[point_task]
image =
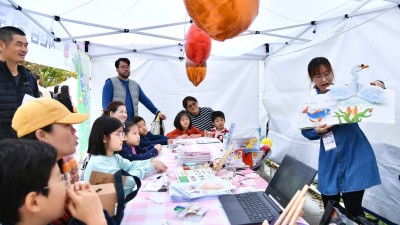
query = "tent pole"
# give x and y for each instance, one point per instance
(130, 49)
(66, 30)
(160, 26)
(91, 35)
(288, 37)
(287, 43)
(17, 7)
(137, 52)
(250, 32)
(158, 36)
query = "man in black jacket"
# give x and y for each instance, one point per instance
(15, 80)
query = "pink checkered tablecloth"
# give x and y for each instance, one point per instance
(157, 208)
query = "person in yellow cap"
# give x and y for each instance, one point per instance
(48, 120)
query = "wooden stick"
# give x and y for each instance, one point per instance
(298, 210)
(292, 208)
(286, 210)
(224, 158)
(296, 203)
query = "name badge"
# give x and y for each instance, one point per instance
(329, 141)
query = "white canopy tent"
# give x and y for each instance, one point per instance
(260, 74)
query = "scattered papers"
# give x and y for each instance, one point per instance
(193, 141)
(199, 157)
(27, 98)
(199, 189)
(194, 175)
(153, 186)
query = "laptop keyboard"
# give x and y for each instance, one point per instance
(256, 209)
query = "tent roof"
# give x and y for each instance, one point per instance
(157, 28)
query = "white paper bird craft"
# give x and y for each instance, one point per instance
(369, 93)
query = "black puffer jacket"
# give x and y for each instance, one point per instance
(11, 94)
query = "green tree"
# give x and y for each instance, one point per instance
(50, 76)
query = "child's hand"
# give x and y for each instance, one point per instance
(85, 205)
(158, 147)
(322, 129)
(183, 136)
(170, 141)
(78, 186)
(158, 165)
(209, 134)
(195, 136)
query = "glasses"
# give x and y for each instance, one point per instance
(326, 76)
(120, 134)
(65, 179)
(192, 105)
(124, 67)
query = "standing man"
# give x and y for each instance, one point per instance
(121, 88)
(15, 80)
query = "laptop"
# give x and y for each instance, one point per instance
(291, 176)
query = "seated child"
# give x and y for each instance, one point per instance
(184, 127)
(146, 137)
(218, 120)
(105, 139)
(131, 149)
(39, 193)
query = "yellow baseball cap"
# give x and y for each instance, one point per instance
(40, 112)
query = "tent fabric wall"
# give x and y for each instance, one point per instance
(369, 39)
(230, 87)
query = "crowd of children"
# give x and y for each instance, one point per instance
(113, 144)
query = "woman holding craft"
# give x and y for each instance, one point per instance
(347, 164)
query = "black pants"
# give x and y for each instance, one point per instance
(352, 201)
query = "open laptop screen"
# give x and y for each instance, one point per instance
(291, 176)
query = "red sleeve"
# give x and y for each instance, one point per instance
(196, 130)
(173, 134)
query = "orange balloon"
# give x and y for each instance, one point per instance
(197, 45)
(196, 73)
(222, 19)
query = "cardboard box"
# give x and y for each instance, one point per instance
(108, 196)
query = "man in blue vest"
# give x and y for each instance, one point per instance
(123, 89)
(15, 80)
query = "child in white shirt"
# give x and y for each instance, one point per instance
(219, 130)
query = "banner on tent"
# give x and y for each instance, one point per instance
(82, 68)
(45, 50)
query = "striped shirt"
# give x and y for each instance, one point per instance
(203, 119)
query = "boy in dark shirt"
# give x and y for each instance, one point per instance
(146, 137)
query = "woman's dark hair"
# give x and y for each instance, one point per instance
(185, 101)
(56, 89)
(102, 126)
(137, 119)
(217, 114)
(315, 63)
(112, 107)
(25, 166)
(64, 92)
(32, 135)
(177, 120)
